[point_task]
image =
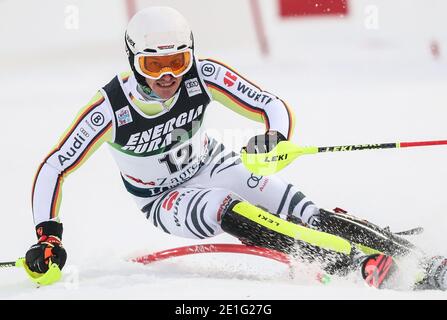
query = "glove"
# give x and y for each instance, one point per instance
(48, 247)
(264, 143)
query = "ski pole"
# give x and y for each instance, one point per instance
(286, 151)
(9, 264)
(392, 145)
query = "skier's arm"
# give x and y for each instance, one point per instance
(244, 97)
(91, 127)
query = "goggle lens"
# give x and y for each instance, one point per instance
(155, 66)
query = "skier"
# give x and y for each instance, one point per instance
(186, 183)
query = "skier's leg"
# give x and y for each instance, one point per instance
(189, 212)
(201, 213)
(255, 226)
(279, 198)
(286, 201)
(198, 213)
(273, 195)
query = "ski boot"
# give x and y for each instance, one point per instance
(377, 269)
(435, 274)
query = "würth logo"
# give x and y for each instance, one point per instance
(229, 79)
(253, 94)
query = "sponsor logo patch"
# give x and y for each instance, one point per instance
(253, 94)
(123, 116)
(193, 87)
(166, 47)
(97, 119)
(280, 157)
(130, 41)
(229, 79)
(253, 181)
(208, 69)
(68, 153)
(223, 207)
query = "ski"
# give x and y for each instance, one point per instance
(411, 232)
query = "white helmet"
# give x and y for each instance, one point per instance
(157, 31)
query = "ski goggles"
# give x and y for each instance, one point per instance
(154, 65)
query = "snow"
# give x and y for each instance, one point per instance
(355, 92)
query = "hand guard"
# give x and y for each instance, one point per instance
(48, 247)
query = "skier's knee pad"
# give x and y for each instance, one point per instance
(255, 226)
